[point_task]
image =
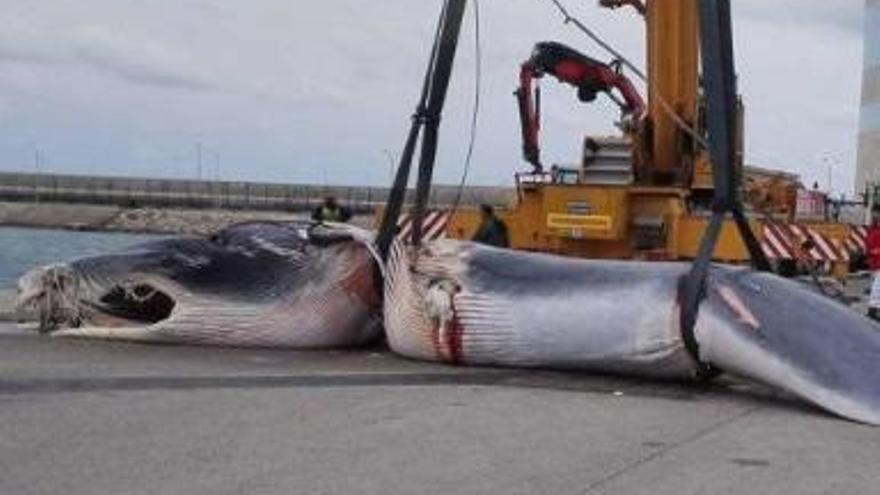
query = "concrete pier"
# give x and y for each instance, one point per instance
(81, 417)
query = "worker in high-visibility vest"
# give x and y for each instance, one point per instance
(872, 252)
(331, 211)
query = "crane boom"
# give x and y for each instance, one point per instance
(588, 75)
(673, 75)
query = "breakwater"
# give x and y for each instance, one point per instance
(130, 193)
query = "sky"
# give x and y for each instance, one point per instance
(321, 92)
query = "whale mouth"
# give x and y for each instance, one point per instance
(63, 298)
(141, 304)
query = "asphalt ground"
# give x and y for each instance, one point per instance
(86, 417)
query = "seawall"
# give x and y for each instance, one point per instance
(169, 193)
(140, 220)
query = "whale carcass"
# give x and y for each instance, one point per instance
(301, 286)
(282, 285)
(462, 303)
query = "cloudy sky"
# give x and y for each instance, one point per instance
(321, 91)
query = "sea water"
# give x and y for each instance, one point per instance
(22, 249)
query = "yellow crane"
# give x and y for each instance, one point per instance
(640, 195)
(644, 194)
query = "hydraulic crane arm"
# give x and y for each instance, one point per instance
(588, 75)
(636, 4)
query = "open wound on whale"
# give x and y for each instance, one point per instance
(440, 308)
(68, 296)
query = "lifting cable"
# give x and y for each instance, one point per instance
(667, 108)
(719, 80)
(397, 194)
(475, 114)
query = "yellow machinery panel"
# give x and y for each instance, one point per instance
(653, 222)
(579, 225)
(464, 223)
(623, 222)
(576, 220)
(837, 232)
(730, 247)
(584, 212)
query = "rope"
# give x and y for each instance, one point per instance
(667, 108)
(478, 81)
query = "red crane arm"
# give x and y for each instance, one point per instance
(588, 75)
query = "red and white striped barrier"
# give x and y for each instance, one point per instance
(792, 241)
(433, 225)
(856, 242)
(781, 241)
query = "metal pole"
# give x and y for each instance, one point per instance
(37, 175)
(199, 160)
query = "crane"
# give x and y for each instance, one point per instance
(648, 216)
(665, 146)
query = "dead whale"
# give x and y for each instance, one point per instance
(281, 285)
(462, 303)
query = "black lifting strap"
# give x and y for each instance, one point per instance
(427, 119)
(449, 35)
(719, 85)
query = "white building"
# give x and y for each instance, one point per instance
(868, 170)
